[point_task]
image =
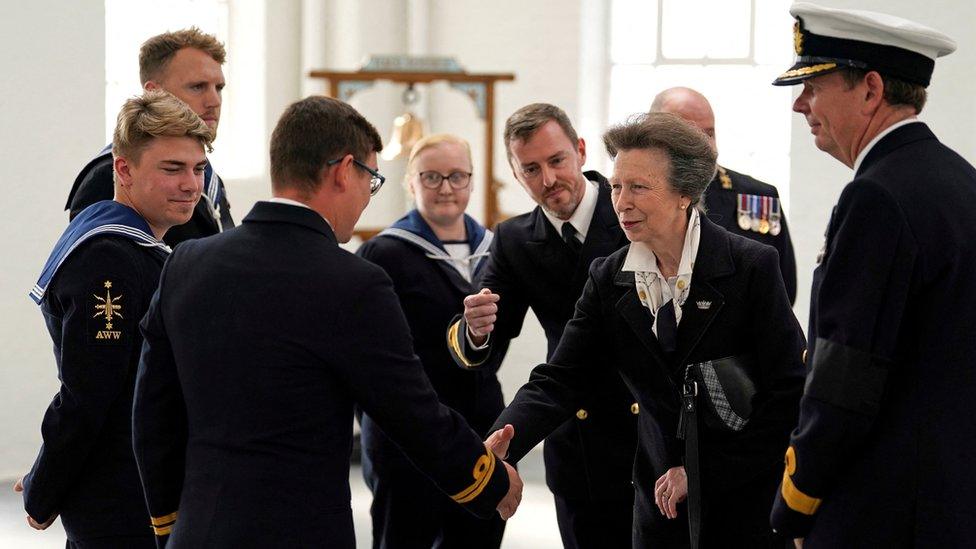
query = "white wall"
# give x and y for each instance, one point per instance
(52, 98)
(816, 179)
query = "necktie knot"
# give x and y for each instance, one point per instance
(569, 237)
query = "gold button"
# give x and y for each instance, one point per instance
(582, 414)
(681, 284)
(804, 356)
(634, 409)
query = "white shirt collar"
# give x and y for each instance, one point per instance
(282, 200)
(581, 218)
(864, 152)
(290, 202)
(640, 257)
(652, 288)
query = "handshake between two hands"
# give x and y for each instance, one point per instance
(498, 443)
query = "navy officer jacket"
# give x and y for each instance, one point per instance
(258, 344)
(886, 442)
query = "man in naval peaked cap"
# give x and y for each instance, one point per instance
(886, 437)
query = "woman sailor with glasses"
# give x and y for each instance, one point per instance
(433, 254)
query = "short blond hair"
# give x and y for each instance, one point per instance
(432, 141)
(154, 114)
(156, 53)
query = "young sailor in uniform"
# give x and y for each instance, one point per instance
(433, 254)
(93, 291)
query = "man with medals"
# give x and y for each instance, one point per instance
(884, 449)
(735, 201)
(186, 63)
(93, 290)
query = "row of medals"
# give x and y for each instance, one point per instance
(760, 217)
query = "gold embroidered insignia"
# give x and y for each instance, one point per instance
(797, 39)
(723, 176)
(109, 308)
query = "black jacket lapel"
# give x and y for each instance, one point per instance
(548, 251)
(714, 260)
(640, 320)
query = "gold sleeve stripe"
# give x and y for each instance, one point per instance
(454, 343)
(794, 498)
(483, 469)
(165, 519)
(163, 531)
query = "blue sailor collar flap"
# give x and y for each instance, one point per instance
(104, 217)
(412, 228)
(212, 188)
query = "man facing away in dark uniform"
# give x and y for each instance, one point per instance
(886, 442)
(186, 63)
(541, 260)
(93, 290)
(243, 437)
(735, 201)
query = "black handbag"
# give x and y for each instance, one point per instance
(722, 390)
(726, 390)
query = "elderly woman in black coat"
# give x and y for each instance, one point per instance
(698, 324)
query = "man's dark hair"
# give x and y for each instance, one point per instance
(896, 91)
(525, 121)
(312, 132)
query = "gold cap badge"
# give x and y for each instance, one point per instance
(797, 39)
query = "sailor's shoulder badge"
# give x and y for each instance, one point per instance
(108, 322)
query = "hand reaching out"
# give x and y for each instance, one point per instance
(498, 441)
(508, 504)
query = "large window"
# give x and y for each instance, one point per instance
(729, 50)
(128, 23)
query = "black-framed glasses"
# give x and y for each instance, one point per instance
(375, 182)
(434, 180)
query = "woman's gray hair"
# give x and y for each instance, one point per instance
(687, 148)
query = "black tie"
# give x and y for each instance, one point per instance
(667, 327)
(569, 237)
